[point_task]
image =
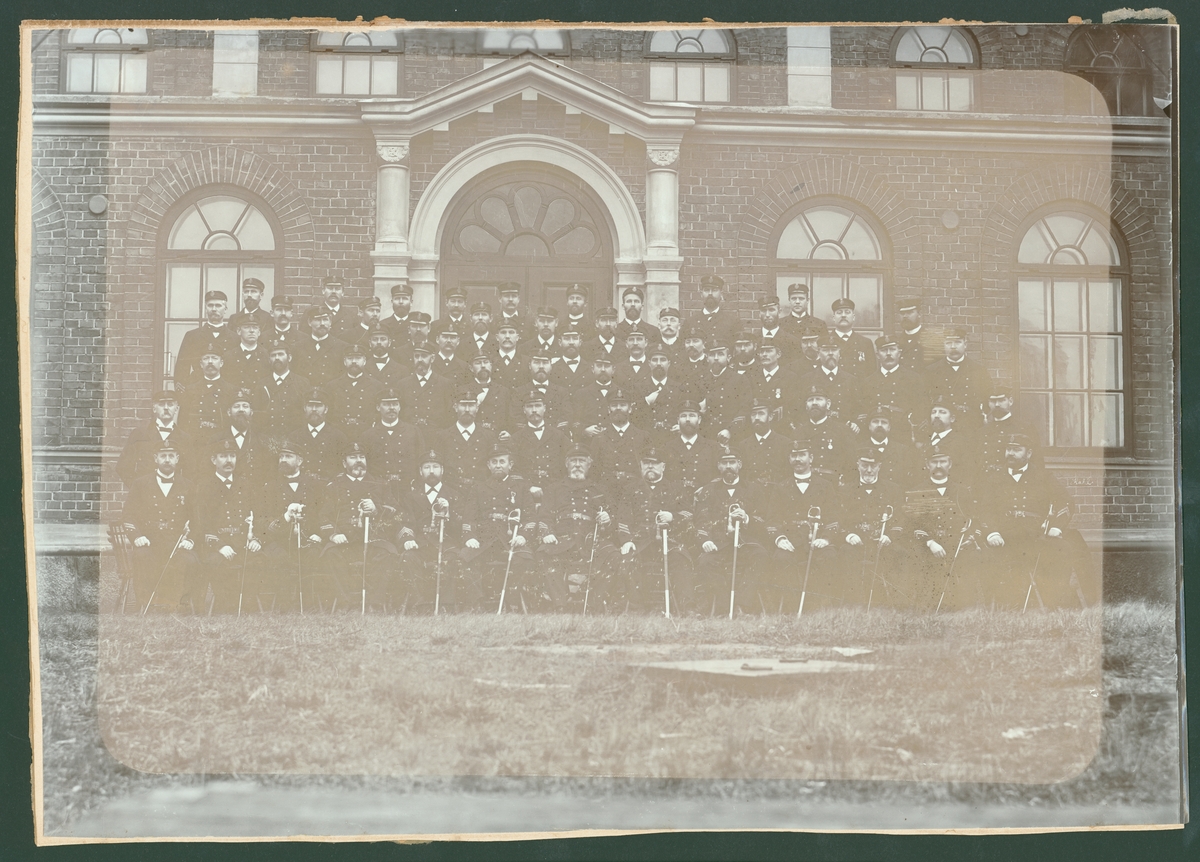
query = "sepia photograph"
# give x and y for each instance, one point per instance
(493, 431)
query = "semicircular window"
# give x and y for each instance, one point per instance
(1070, 286)
(525, 220)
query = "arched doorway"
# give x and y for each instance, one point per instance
(532, 224)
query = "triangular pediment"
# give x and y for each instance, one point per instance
(530, 76)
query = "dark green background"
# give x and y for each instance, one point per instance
(16, 818)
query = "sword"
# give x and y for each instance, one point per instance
(245, 559)
(887, 515)
(591, 561)
(666, 575)
(737, 527)
(366, 519)
(814, 518)
(514, 518)
(1033, 587)
(946, 584)
(440, 514)
(178, 542)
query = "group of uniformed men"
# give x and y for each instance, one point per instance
(579, 461)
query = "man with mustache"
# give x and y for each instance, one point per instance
(942, 513)
(576, 510)
(718, 505)
(163, 428)
(355, 393)
(213, 333)
(156, 512)
(319, 356)
(712, 322)
(632, 301)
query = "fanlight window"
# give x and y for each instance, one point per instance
(837, 254)
(1113, 61)
(357, 63)
(690, 65)
(215, 244)
(1072, 352)
(541, 41)
(524, 220)
(928, 57)
(108, 60)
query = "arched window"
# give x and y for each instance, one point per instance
(107, 60)
(215, 240)
(356, 63)
(932, 64)
(1071, 282)
(536, 39)
(691, 65)
(1113, 61)
(836, 251)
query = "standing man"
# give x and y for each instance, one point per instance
(456, 313)
(777, 385)
(368, 318)
(342, 319)
(591, 402)
(570, 371)
(832, 441)
(577, 316)
(726, 396)
(396, 323)
(892, 384)
(961, 381)
(203, 403)
(946, 435)
(920, 346)
(247, 363)
(252, 449)
(354, 394)
(771, 331)
(538, 447)
(619, 442)
(139, 456)
(446, 362)
(426, 398)
(799, 319)
(509, 363)
(282, 395)
(998, 425)
(392, 445)
(764, 450)
(605, 343)
(381, 365)
(318, 441)
(211, 334)
(282, 329)
(157, 512)
(544, 340)
(839, 383)
(252, 294)
(632, 371)
(690, 457)
(897, 457)
(714, 323)
(509, 294)
(745, 353)
(632, 300)
(671, 330)
(319, 356)
(858, 353)
(661, 394)
(718, 505)
(483, 339)
(496, 409)
(468, 442)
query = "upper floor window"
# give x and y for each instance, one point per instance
(108, 60)
(1111, 59)
(836, 251)
(1071, 282)
(691, 65)
(357, 63)
(931, 64)
(536, 39)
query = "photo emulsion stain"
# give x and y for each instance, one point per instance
(509, 430)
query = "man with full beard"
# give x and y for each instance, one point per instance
(577, 512)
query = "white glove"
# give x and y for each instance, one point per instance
(410, 545)
(519, 542)
(550, 539)
(141, 542)
(186, 544)
(338, 539)
(784, 544)
(1054, 532)
(227, 552)
(708, 547)
(995, 540)
(938, 550)
(820, 543)
(628, 548)
(473, 544)
(853, 539)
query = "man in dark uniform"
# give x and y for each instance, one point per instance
(726, 395)
(381, 365)
(832, 441)
(577, 316)
(634, 368)
(886, 433)
(213, 333)
(1025, 519)
(841, 384)
(764, 450)
(468, 443)
(544, 340)
(239, 428)
(227, 544)
(858, 353)
(538, 447)
(426, 398)
(418, 335)
(770, 382)
(803, 514)
(360, 524)
(632, 300)
(319, 356)
(712, 322)
(282, 395)
(871, 517)
(893, 384)
(718, 505)
(392, 445)
(661, 394)
(456, 313)
(204, 402)
(961, 381)
(482, 338)
(496, 409)
(605, 343)
(435, 512)
(342, 318)
(619, 442)
(369, 310)
(446, 361)
(247, 363)
(157, 513)
(139, 456)
(509, 295)
(318, 441)
(291, 541)
(948, 436)
(396, 324)
(591, 401)
(745, 353)
(502, 516)
(645, 508)
(919, 344)
(998, 425)
(671, 331)
(354, 394)
(580, 526)
(771, 331)
(282, 330)
(941, 512)
(558, 406)
(252, 293)
(510, 364)
(570, 372)
(691, 458)
(799, 319)
(812, 333)
(695, 359)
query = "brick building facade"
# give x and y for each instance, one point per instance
(951, 153)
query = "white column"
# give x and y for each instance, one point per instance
(662, 228)
(391, 254)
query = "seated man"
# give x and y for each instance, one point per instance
(872, 518)
(157, 512)
(580, 526)
(728, 509)
(435, 512)
(291, 543)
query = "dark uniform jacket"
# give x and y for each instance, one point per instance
(626, 326)
(1022, 508)
(219, 514)
(965, 388)
(523, 324)
(280, 405)
(726, 398)
(461, 325)
(453, 369)
(491, 502)
(392, 453)
(137, 458)
(397, 330)
(289, 337)
(277, 495)
(962, 447)
(832, 445)
(711, 512)
(594, 346)
(939, 512)
(191, 349)
(902, 389)
(664, 412)
(781, 389)
(788, 514)
(590, 404)
(418, 514)
(392, 372)
(862, 508)
(319, 361)
(796, 324)
(429, 405)
(202, 406)
(246, 369)
(322, 454)
(569, 511)
(254, 457)
(618, 455)
(994, 438)
(764, 459)
(515, 371)
(540, 461)
(157, 516)
(720, 326)
(466, 458)
(857, 354)
(919, 348)
(691, 467)
(562, 376)
(496, 409)
(844, 388)
(353, 401)
(630, 375)
(899, 461)
(339, 511)
(639, 503)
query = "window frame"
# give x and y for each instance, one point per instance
(564, 51)
(783, 268)
(725, 59)
(316, 52)
(165, 257)
(1087, 72)
(921, 69)
(1120, 274)
(69, 50)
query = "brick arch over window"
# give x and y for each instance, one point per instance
(819, 177)
(1098, 188)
